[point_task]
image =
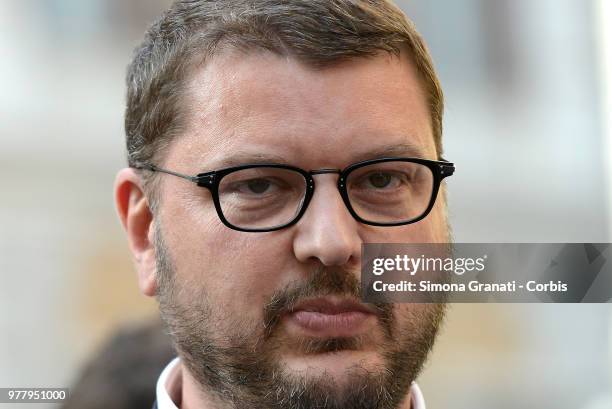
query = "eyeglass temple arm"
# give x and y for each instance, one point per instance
(446, 168)
(154, 168)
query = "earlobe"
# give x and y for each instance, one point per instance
(137, 220)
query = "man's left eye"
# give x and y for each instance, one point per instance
(258, 185)
(380, 180)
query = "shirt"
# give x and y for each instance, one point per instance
(170, 380)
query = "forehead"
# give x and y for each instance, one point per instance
(261, 104)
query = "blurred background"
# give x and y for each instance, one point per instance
(528, 123)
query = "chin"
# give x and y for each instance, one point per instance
(337, 364)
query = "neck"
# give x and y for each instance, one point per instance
(192, 395)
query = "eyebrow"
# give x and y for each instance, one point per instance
(399, 150)
(403, 150)
(242, 158)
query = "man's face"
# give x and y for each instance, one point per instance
(253, 311)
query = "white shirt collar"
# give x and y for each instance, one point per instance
(170, 379)
(170, 373)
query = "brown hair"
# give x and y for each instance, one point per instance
(316, 32)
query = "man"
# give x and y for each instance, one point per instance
(267, 141)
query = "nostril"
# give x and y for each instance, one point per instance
(328, 238)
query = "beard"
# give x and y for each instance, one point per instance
(242, 369)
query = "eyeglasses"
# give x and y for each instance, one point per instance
(268, 197)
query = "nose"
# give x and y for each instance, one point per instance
(327, 232)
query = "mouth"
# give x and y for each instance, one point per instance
(331, 317)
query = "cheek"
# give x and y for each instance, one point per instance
(238, 271)
(432, 229)
(440, 229)
(417, 319)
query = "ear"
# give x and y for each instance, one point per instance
(137, 220)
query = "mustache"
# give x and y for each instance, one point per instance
(322, 282)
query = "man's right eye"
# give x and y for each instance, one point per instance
(255, 186)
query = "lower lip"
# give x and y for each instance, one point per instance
(343, 324)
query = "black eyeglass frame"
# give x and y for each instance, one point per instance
(210, 180)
